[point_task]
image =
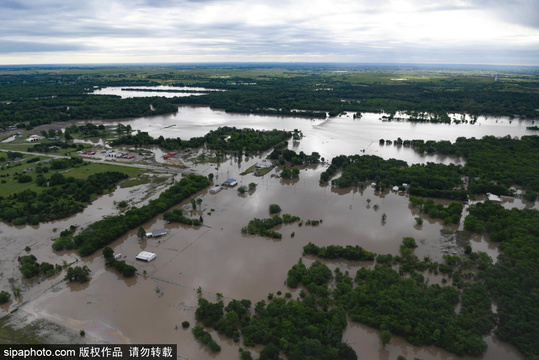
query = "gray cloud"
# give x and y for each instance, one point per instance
(12, 5)
(523, 12)
(174, 28)
(7, 46)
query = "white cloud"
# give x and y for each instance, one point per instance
(240, 30)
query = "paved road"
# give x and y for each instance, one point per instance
(159, 168)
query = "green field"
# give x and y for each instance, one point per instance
(11, 185)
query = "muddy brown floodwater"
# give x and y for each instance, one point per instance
(219, 259)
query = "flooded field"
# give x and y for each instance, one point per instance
(164, 91)
(219, 259)
(330, 137)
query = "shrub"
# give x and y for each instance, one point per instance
(409, 242)
(19, 221)
(274, 209)
(4, 297)
(24, 178)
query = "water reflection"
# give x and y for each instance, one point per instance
(329, 137)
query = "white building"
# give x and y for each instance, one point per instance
(146, 256)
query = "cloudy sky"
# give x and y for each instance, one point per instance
(172, 31)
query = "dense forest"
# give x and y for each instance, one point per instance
(493, 165)
(504, 160)
(513, 281)
(319, 92)
(34, 112)
(30, 99)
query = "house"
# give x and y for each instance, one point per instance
(146, 256)
(494, 198)
(230, 182)
(156, 233)
(395, 188)
(34, 138)
(215, 189)
(260, 166)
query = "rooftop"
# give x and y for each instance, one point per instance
(146, 256)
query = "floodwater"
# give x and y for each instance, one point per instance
(125, 92)
(330, 137)
(219, 259)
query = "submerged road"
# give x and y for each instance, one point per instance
(160, 168)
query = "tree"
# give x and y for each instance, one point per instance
(384, 217)
(108, 252)
(385, 337)
(24, 178)
(67, 135)
(409, 242)
(274, 209)
(141, 233)
(4, 297)
(77, 274)
(530, 195)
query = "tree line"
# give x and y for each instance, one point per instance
(31, 112)
(513, 281)
(31, 100)
(493, 164)
(431, 179)
(63, 197)
(322, 93)
(224, 138)
(107, 230)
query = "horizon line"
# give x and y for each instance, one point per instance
(259, 63)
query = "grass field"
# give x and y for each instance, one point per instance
(249, 170)
(10, 185)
